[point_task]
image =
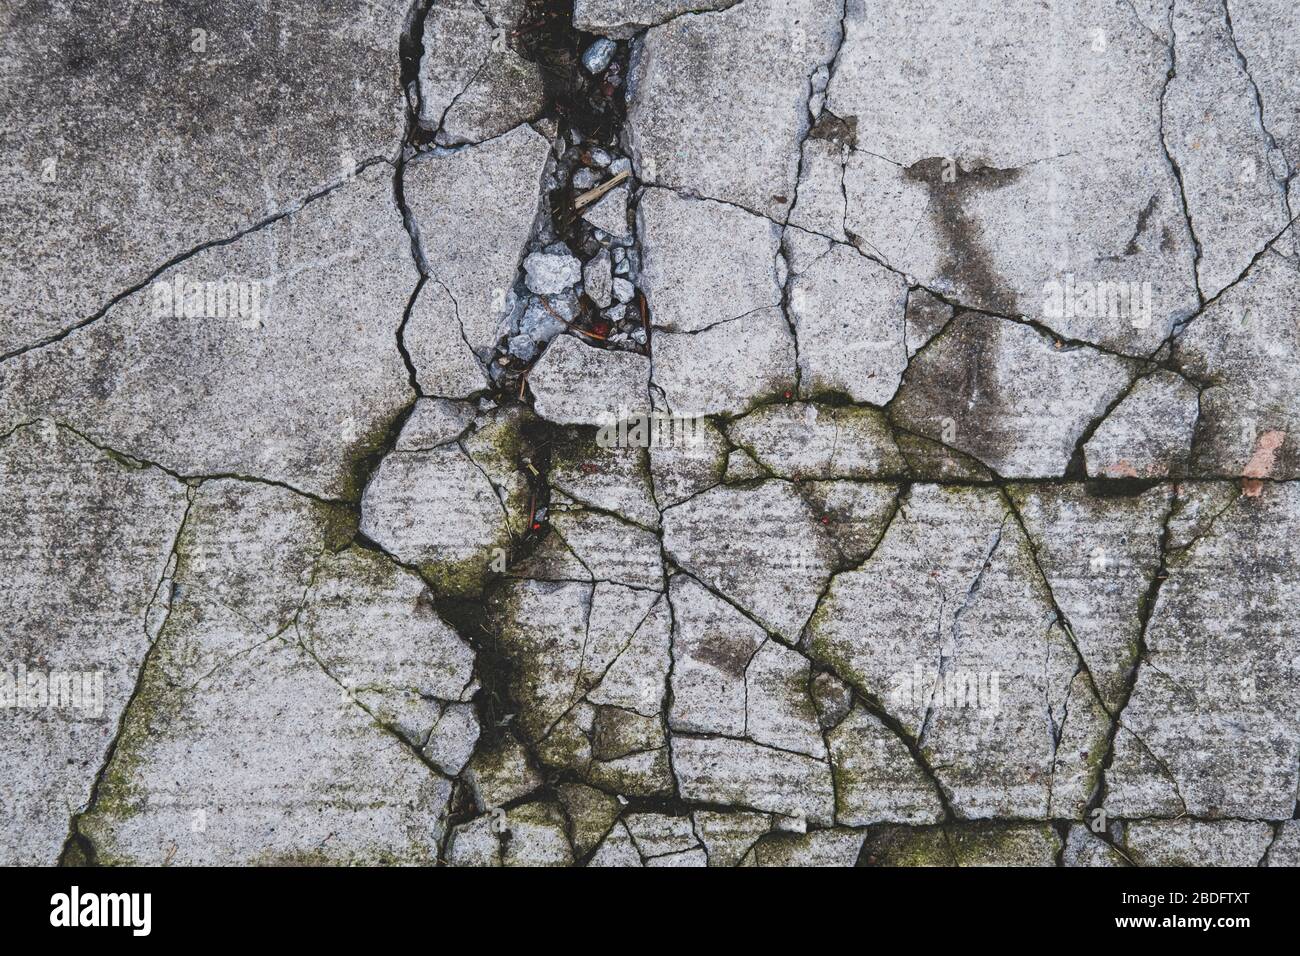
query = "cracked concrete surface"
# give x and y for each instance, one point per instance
(610, 433)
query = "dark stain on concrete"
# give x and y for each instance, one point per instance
(966, 261)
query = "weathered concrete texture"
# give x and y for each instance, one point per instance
(445, 365)
(1008, 395)
(810, 441)
(743, 774)
(744, 148)
(1285, 850)
(704, 262)
(876, 779)
(961, 845)
(848, 315)
(86, 548)
(589, 665)
(854, 514)
(727, 837)
(434, 422)
(298, 387)
(1085, 848)
(578, 384)
(1149, 433)
(493, 186)
(529, 835)
(610, 549)
(1214, 133)
(1243, 346)
(1219, 670)
(607, 478)
(950, 628)
(1263, 32)
(473, 83)
(682, 469)
(452, 508)
(650, 433)
(1197, 843)
(624, 18)
(373, 628)
(141, 133)
(1099, 554)
(730, 679)
(761, 548)
(821, 848)
(244, 743)
(609, 214)
(725, 369)
(1018, 189)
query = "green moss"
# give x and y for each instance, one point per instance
(634, 779)
(155, 705)
(458, 579)
(992, 844)
(364, 454)
(338, 526)
(907, 846)
(566, 747)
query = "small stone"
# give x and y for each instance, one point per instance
(550, 273)
(596, 280)
(522, 348)
(598, 55)
(547, 317)
(624, 291)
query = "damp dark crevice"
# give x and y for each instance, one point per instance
(411, 371)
